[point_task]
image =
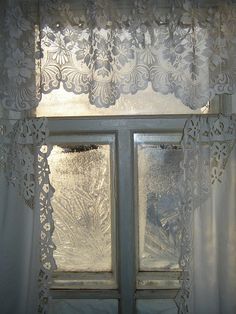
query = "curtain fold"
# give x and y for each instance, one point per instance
(214, 246)
(15, 246)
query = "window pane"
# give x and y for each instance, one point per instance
(158, 173)
(156, 307)
(80, 175)
(84, 306)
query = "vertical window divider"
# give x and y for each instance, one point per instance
(126, 249)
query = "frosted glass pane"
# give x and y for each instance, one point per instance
(158, 199)
(83, 307)
(82, 207)
(62, 103)
(156, 307)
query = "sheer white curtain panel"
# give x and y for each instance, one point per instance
(208, 216)
(26, 261)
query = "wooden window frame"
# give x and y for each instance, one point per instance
(123, 128)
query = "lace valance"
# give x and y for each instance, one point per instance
(105, 48)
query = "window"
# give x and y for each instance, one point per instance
(115, 178)
(127, 255)
(115, 212)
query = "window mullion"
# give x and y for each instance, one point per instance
(126, 247)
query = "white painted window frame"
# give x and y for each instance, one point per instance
(123, 128)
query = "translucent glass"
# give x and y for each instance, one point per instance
(82, 207)
(156, 307)
(83, 306)
(158, 174)
(62, 103)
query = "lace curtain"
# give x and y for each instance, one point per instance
(104, 48)
(23, 165)
(208, 216)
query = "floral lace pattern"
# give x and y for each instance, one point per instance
(104, 49)
(47, 262)
(207, 143)
(19, 90)
(24, 161)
